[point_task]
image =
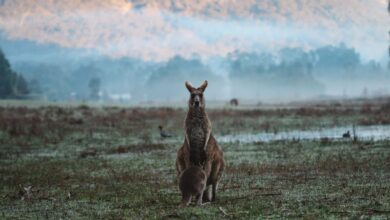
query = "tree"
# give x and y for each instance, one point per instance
(94, 87)
(341, 57)
(21, 86)
(249, 64)
(5, 77)
(388, 10)
(11, 84)
(167, 82)
(388, 6)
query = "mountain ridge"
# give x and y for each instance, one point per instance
(161, 29)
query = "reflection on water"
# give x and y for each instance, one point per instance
(376, 132)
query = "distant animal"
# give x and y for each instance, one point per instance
(234, 102)
(192, 183)
(164, 134)
(89, 152)
(346, 135)
(200, 147)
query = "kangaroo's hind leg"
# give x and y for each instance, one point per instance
(214, 196)
(207, 194)
(215, 178)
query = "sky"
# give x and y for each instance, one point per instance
(161, 29)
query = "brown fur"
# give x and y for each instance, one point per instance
(192, 183)
(200, 147)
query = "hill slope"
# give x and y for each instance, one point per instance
(161, 29)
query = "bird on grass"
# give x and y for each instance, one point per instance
(163, 133)
(346, 135)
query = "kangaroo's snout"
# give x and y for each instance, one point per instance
(197, 101)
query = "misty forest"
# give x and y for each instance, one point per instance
(291, 73)
(178, 109)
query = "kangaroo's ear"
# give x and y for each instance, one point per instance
(189, 86)
(203, 86)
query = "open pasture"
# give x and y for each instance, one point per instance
(111, 163)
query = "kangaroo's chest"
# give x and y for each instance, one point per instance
(197, 137)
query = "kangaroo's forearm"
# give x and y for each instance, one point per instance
(207, 168)
(188, 140)
(207, 139)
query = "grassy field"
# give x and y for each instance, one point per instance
(110, 163)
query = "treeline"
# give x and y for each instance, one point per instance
(290, 73)
(12, 85)
(294, 73)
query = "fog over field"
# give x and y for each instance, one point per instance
(143, 51)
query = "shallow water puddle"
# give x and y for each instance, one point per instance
(375, 132)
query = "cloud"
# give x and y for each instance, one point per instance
(161, 29)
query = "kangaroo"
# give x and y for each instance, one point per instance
(192, 183)
(234, 102)
(200, 147)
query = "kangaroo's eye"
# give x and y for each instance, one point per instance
(192, 95)
(200, 95)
